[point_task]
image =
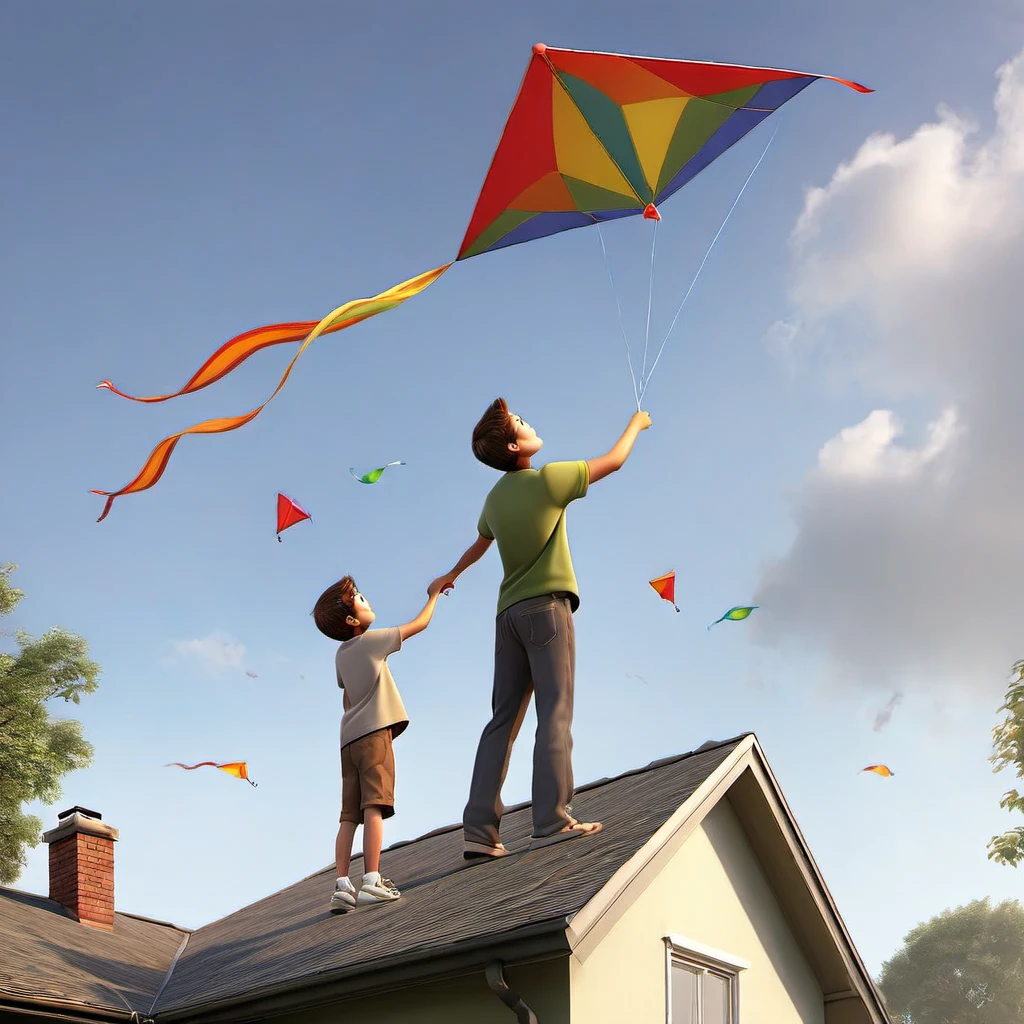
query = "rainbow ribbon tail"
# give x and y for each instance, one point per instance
(347, 315)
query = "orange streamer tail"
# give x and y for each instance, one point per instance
(338, 319)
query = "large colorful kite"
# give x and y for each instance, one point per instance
(591, 137)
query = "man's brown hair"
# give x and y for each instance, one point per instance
(492, 436)
(333, 606)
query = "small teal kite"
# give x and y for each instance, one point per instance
(374, 475)
(733, 615)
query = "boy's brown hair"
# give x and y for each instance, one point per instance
(333, 606)
(492, 436)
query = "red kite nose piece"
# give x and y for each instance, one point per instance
(651, 213)
(539, 48)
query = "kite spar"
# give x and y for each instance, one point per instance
(591, 137)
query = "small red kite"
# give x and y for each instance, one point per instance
(239, 769)
(666, 587)
(288, 514)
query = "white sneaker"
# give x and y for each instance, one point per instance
(377, 889)
(344, 898)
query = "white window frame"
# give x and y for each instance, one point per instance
(691, 954)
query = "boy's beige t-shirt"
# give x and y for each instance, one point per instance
(525, 513)
(371, 698)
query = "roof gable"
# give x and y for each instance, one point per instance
(745, 780)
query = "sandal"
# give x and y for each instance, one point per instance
(482, 851)
(573, 831)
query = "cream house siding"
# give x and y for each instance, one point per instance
(713, 891)
(465, 1000)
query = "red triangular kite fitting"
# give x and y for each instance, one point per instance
(288, 514)
(591, 137)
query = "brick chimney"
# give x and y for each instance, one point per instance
(82, 866)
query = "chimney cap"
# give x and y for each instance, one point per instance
(79, 821)
(80, 810)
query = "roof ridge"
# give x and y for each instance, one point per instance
(156, 920)
(169, 972)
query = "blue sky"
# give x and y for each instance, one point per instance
(178, 173)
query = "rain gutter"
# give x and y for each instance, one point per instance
(543, 940)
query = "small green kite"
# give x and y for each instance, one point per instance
(733, 615)
(374, 475)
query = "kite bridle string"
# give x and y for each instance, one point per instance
(735, 202)
(650, 301)
(618, 306)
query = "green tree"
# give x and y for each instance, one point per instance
(1008, 746)
(36, 751)
(962, 967)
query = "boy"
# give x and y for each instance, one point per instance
(374, 716)
(534, 637)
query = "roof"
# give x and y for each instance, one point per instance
(291, 939)
(47, 957)
(287, 952)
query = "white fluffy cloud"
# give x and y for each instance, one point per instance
(907, 564)
(215, 652)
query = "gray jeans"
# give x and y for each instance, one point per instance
(534, 653)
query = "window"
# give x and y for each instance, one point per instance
(702, 983)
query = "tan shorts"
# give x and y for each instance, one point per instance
(368, 776)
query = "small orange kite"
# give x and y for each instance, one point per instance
(879, 769)
(666, 587)
(239, 769)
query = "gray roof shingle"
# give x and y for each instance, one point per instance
(46, 955)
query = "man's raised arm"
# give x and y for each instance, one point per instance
(614, 459)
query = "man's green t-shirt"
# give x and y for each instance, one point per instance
(525, 514)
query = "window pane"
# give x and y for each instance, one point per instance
(716, 1000)
(684, 995)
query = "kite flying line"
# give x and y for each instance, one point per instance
(618, 306)
(739, 195)
(650, 300)
(645, 376)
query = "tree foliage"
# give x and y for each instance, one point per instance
(962, 967)
(1008, 747)
(36, 751)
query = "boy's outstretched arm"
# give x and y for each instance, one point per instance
(422, 620)
(469, 556)
(614, 459)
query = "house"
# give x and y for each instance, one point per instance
(699, 903)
